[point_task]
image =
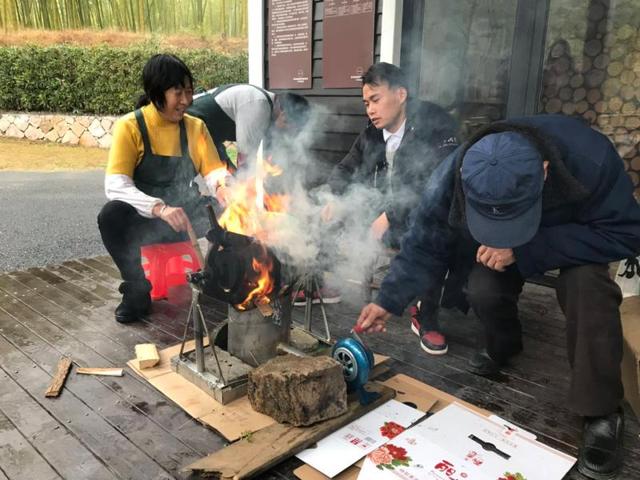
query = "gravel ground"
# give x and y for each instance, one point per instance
(49, 217)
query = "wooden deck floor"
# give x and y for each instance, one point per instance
(121, 427)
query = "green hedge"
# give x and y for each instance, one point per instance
(101, 80)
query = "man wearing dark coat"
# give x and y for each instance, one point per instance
(396, 153)
(524, 197)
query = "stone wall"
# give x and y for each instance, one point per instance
(85, 130)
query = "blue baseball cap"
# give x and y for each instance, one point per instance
(502, 179)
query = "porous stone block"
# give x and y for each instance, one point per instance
(298, 390)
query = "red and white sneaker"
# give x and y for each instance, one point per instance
(329, 295)
(415, 324)
(431, 341)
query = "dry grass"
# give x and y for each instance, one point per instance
(121, 39)
(25, 155)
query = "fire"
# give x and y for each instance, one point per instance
(264, 283)
(248, 212)
(242, 215)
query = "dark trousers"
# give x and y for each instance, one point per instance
(590, 301)
(124, 231)
(429, 308)
(428, 301)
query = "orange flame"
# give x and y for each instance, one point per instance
(264, 283)
(271, 169)
(243, 216)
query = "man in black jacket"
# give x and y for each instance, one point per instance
(396, 153)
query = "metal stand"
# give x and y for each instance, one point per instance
(309, 284)
(199, 326)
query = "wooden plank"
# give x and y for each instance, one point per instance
(108, 443)
(101, 314)
(49, 437)
(101, 371)
(74, 291)
(103, 267)
(269, 446)
(109, 337)
(17, 454)
(64, 365)
(130, 396)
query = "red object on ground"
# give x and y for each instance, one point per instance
(166, 265)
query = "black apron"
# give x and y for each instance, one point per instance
(221, 127)
(167, 177)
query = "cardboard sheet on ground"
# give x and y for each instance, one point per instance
(426, 398)
(341, 449)
(457, 443)
(409, 391)
(232, 421)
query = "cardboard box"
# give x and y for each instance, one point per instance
(630, 315)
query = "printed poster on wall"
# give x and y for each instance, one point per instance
(348, 40)
(290, 43)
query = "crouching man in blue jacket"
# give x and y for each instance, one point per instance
(521, 198)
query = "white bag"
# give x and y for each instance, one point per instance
(628, 276)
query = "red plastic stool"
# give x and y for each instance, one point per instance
(166, 265)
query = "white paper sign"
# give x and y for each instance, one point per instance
(346, 446)
(458, 444)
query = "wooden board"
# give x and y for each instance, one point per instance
(64, 365)
(24, 412)
(114, 425)
(129, 405)
(101, 371)
(267, 447)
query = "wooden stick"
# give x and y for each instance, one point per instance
(64, 365)
(195, 245)
(109, 372)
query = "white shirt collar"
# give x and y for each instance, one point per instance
(398, 133)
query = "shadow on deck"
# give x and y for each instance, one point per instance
(121, 427)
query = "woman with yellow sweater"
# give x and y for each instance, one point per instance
(156, 153)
